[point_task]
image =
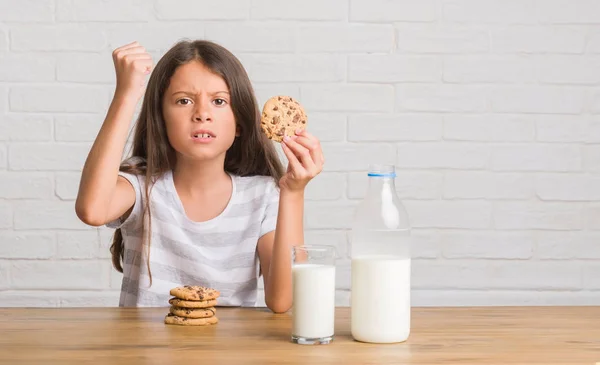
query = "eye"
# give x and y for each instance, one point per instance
(184, 101)
(220, 102)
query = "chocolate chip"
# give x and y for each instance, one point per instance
(275, 107)
(296, 118)
(275, 120)
(289, 112)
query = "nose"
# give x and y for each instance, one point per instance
(202, 112)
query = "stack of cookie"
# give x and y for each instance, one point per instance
(192, 306)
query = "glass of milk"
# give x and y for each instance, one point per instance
(313, 282)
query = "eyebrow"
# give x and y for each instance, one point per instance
(189, 92)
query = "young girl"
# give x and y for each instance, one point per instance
(203, 200)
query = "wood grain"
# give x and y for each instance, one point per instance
(484, 335)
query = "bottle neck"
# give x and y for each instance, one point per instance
(381, 186)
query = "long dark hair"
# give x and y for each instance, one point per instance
(251, 153)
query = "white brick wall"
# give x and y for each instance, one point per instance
(490, 109)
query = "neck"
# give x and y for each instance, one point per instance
(199, 177)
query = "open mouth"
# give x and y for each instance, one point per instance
(201, 135)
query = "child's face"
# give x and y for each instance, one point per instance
(199, 119)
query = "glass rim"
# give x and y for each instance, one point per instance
(312, 247)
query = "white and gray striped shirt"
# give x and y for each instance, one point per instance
(219, 253)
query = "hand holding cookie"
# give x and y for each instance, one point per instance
(305, 157)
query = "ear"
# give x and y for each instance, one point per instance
(237, 131)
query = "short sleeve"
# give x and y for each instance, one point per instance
(269, 220)
(136, 212)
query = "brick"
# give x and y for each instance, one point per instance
(326, 186)
(500, 128)
(58, 98)
(154, 37)
(312, 10)
(23, 68)
(551, 158)
(343, 274)
(569, 12)
(17, 245)
(86, 299)
(70, 68)
(335, 238)
(449, 214)
(346, 38)
(3, 40)
(582, 70)
(3, 98)
(592, 216)
(47, 157)
(591, 158)
(29, 299)
(79, 245)
(252, 37)
(202, 10)
(4, 277)
(567, 245)
(448, 155)
(329, 215)
(327, 127)
(409, 184)
(116, 279)
(537, 99)
(440, 98)
(425, 244)
(537, 39)
(591, 273)
(6, 215)
(347, 98)
(461, 298)
(265, 91)
(567, 128)
(593, 44)
(394, 68)
(487, 185)
(58, 275)
(400, 127)
(47, 215)
(342, 298)
(77, 128)
(56, 38)
(490, 11)
(3, 157)
(25, 185)
(411, 38)
(392, 11)
(104, 11)
(67, 185)
(487, 245)
(496, 275)
(295, 68)
(489, 69)
(356, 157)
(538, 215)
(27, 11)
(564, 187)
(23, 127)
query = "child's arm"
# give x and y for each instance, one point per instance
(104, 196)
(305, 162)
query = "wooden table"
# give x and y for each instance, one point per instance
(485, 335)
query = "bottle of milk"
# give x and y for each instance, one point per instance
(380, 253)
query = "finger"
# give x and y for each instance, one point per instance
(312, 146)
(132, 51)
(293, 160)
(302, 152)
(128, 45)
